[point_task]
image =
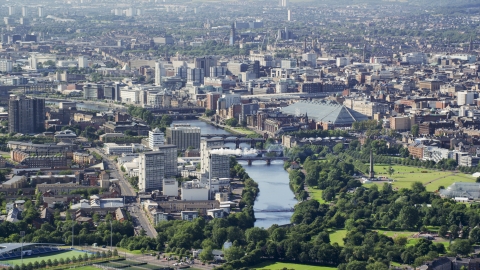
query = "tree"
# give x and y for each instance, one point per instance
(115, 252)
(390, 171)
(408, 217)
(206, 254)
(234, 253)
(414, 130)
(461, 246)
(475, 235)
(338, 148)
(256, 235)
(233, 122)
(443, 230)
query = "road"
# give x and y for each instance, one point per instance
(138, 216)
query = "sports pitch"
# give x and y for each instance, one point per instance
(51, 256)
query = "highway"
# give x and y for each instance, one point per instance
(138, 215)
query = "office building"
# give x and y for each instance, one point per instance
(212, 99)
(156, 138)
(25, 115)
(24, 21)
(289, 15)
(41, 12)
(155, 166)
(284, 3)
(232, 35)
(465, 98)
(11, 10)
(184, 136)
(196, 75)
(8, 21)
(205, 63)
(24, 11)
(213, 164)
(158, 73)
(82, 62)
(93, 91)
(6, 65)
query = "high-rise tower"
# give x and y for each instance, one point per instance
(232, 35)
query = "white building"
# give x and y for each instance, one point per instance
(41, 12)
(465, 98)
(130, 95)
(194, 191)
(281, 87)
(155, 166)
(116, 149)
(436, 153)
(343, 61)
(36, 58)
(156, 138)
(415, 58)
(289, 15)
(24, 11)
(6, 65)
(310, 58)
(170, 187)
(158, 73)
(82, 62)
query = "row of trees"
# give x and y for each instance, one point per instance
(56, 262)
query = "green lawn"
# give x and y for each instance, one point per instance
(242, 130)
(337, 237)
(45, 257)
(316, 194)
(404, 176)
(394, 234)
(297, 266)
(123, 250)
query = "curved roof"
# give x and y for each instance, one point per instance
(322, 111)
(8, 247)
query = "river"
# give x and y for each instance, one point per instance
(275, 193)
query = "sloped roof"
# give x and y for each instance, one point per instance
(324, 111)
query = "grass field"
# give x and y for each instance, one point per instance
(45, 257)
(404, 176)
(280, 265)
(394, 234)
(316, 194)
(337, 237)
(242, 130)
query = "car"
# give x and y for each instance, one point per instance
(104, 246)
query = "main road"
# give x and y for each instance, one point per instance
(135, 209)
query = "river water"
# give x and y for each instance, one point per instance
(275, 193)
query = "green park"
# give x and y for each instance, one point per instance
(281, 265)
(404, 176)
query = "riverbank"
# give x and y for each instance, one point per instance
(234, 130)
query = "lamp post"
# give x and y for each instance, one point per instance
(22, 234)
(111, 246)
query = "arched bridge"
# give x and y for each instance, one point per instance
(224, 136)
(238, 140)
(267, 159)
